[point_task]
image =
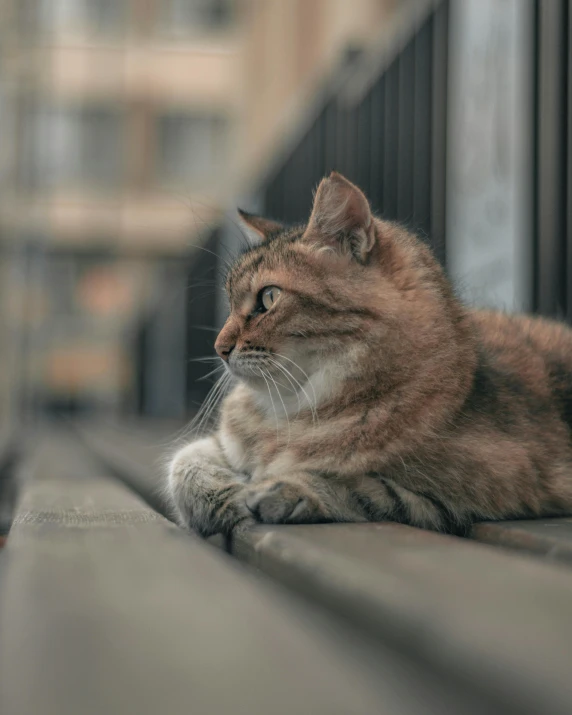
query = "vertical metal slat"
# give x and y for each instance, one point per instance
(407, 109)
(422, 131)
(439, 129)
(551, 217)
(376, 125)
(390, 159)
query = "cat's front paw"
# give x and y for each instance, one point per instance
(283, 502)
(206, 497)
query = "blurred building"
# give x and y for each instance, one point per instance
(118, 120)
(127, 126)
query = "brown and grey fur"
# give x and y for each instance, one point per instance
(368, 392)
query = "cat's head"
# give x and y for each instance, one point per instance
(339, 292)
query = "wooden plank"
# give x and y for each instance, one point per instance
(136, 453)
(133, 454)
(106, 607)
(487, 618)
(550, 538)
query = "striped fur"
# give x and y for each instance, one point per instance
(368, 392)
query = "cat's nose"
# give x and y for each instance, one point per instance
(223, 350)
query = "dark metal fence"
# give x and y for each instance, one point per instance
(389, 139)
(170, 344)
(553, 159)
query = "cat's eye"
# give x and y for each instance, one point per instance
(269, 296)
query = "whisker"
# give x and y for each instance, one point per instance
(203, 416)
(210, 358)
(208, 328)
(294, 384)
(303, 373)
(204, 411)
(226, 381)
(284, 406)
(271, 400)
(310, 405)
(212, 372)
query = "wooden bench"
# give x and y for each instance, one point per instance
(549, 538)
(106, 606)
(483, 617)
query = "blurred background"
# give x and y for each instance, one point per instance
(131, 129)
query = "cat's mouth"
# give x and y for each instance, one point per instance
(270, 372)
(252, 365)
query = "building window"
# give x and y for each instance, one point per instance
(184, 17)
(190, 148)
(72, 16)
(72, 147)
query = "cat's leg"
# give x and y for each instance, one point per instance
(307, 498)
(301, 498)
(206, 494)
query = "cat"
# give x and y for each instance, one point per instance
(365, 390)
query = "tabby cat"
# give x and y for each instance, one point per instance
(365, 391)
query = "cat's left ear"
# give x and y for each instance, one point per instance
(341, 218)
(259, 228)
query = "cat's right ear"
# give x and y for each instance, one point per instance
(259, 229)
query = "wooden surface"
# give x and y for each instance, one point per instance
(106, 607)
(133, 453)
(486, 617)
(548, 538)
(137, 454)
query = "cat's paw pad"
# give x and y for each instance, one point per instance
(279, 503)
